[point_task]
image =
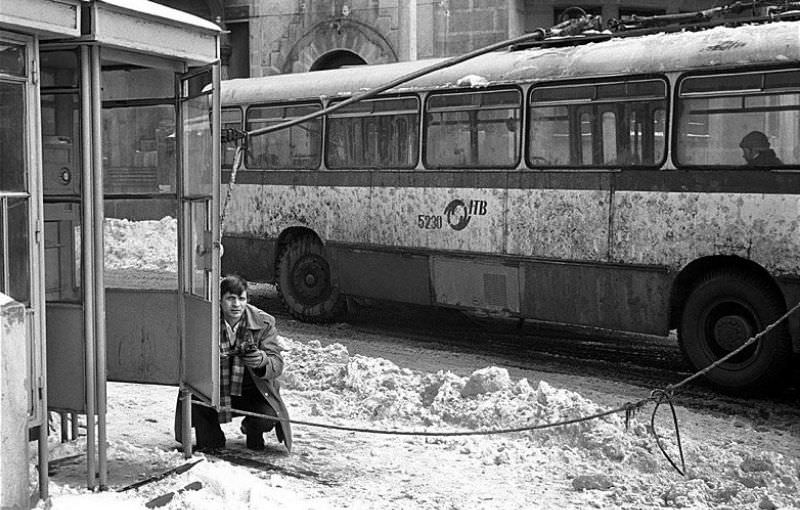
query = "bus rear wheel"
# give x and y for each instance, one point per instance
(723, 311)
(304, 282)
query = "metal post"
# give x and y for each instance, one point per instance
(99, 284)
(87, 195)
(64, 427)
(186, 422)
(74, 423)
(37, 197)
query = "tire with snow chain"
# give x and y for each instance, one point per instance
(722, 312)
(304, 282)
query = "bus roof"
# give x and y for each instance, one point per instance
(719, 47)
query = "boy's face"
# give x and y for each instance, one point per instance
(233, 306)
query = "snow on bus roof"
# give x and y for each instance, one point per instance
(164, 12)
(719, 47)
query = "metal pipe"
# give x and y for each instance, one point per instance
(186, 422)
(87, 195)
(183, 218)
(39, 301)
(99, 267)
(64, 427)
(74, 423)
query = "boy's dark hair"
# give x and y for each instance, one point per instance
(234, 284)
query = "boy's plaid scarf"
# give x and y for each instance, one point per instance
(231, 369)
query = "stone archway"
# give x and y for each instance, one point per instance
(338, 35)
(336, 59)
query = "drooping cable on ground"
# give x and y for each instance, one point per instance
(658, 396)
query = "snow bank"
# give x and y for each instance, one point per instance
(143, 245)
(597, 463)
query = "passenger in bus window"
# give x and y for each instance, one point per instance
(757, 152)
(250, 363)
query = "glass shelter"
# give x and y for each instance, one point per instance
(109, 208)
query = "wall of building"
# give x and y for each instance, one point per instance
(284, 36)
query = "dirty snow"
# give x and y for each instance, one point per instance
(598, 463)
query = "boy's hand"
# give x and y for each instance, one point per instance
(254, 359)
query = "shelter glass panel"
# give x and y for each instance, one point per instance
(12, 137)
(61, 143)
(141, 243)
(139, 149)
(60, 69)
(197, 135)
(296, 147)
(200, 249)
(12, 59)
(62, 252)
(16, 244)
(130, 83)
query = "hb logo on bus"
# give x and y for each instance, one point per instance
(458, 213)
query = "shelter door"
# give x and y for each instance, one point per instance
(199, 231)
(19, 247)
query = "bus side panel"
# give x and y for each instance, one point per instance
(249, 257)
(438, 218)
(672, 229)
(569, 224)
(791, 292)
(258, 214)
(595, 295)
(467, 283)
(394, 276)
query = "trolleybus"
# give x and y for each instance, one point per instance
(601, 184)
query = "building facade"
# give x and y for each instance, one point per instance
(265, 37)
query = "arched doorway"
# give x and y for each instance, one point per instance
(338, 42)
(336, 59)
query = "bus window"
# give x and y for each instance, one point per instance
(376, 133)
(231, 119)
(600, 125)
(473, 129)
(716, 113)
(297, 147)
(586, 142)
(609, 132)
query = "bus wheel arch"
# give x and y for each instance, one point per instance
(304, 277)
(717, 303)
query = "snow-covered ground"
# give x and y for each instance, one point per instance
(730, 462)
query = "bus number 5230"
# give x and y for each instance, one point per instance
(430, 222)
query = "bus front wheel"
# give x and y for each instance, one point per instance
(304, 282)
(722, 312)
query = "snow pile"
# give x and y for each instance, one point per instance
(603, 454)
(143, 245)
(376, 390)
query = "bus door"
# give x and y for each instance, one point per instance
(199, 231)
